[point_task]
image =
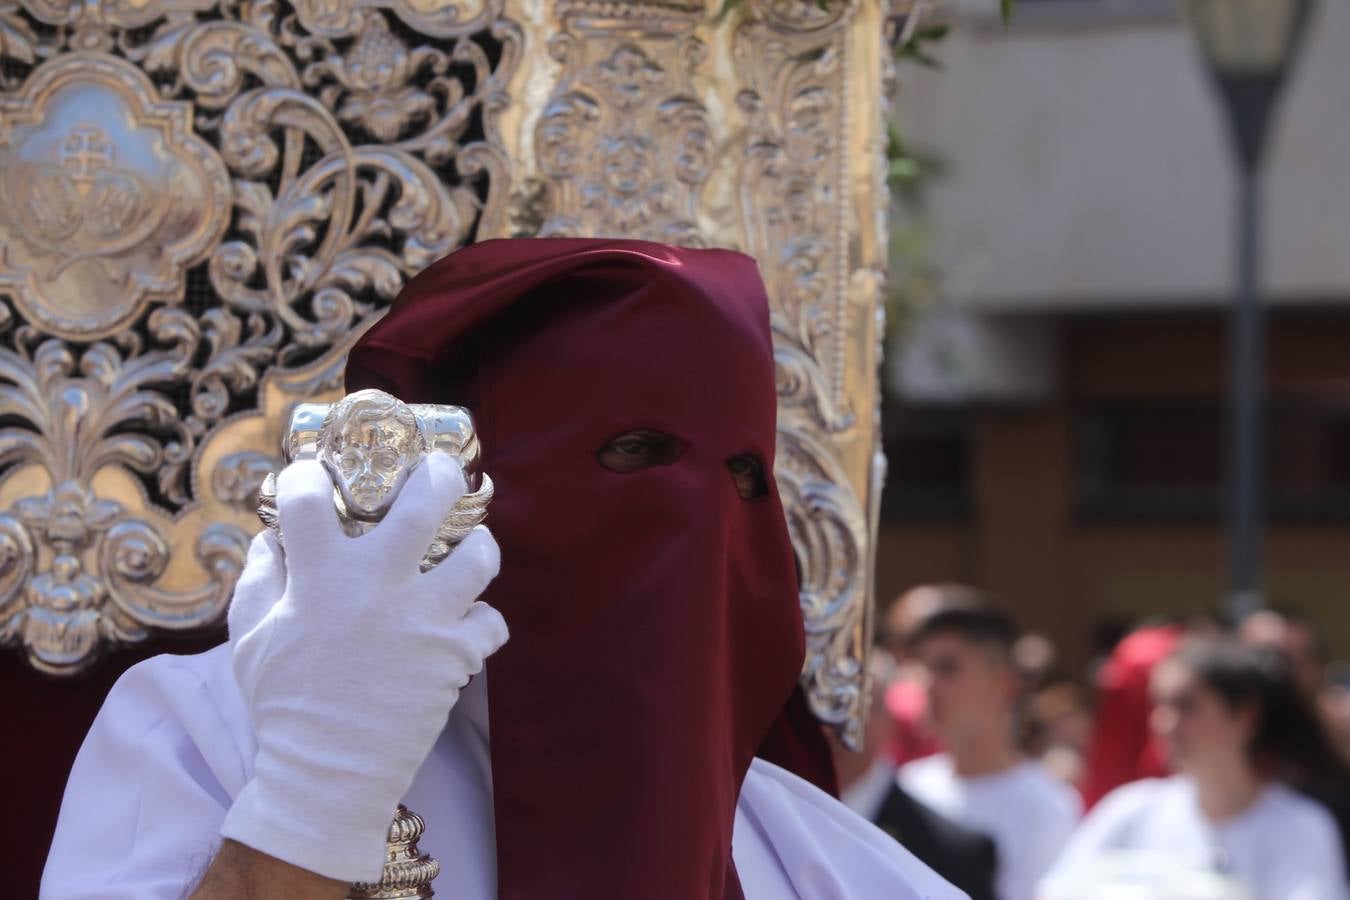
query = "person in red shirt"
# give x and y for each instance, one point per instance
(1122, 749)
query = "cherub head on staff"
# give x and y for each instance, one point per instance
(369, 443)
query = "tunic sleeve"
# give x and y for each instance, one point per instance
(151, 784)
(794, 840)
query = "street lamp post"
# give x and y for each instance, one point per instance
(1247, 46)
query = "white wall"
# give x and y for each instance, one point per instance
(1090, 163)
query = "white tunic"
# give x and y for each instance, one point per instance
(1026, 811)
(172, 747)
(1282, 847)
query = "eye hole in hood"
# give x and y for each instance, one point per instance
(747, 471)
(634, 451)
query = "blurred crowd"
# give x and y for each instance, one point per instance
(1190, 760)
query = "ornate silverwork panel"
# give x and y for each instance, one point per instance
(810, 181)
(202, 204)
(623, 141)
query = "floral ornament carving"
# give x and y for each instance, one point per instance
(60, 614)
(798, 213)
(830, 536)
(793, 103)
(806, 15)
(220, 198)
(78, 568)
(374, 75)
(624, 140)
(433, 18)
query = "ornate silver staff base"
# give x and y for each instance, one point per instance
(370, 442)
(408, 872)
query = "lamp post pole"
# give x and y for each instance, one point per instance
(1248, 45)
(1247, 403)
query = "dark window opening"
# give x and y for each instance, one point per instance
(1160, 463)
(929, 454)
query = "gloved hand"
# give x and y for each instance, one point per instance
(349, 660)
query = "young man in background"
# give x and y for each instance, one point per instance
(982, 780)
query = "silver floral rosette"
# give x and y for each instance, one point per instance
(370, 442)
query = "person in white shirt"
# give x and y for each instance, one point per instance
(982, 780)
(622, 743)
(1235, 723)
(868, 786)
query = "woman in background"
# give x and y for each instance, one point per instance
(1238, 731)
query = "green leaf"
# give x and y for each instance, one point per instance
(895, 144)
(903, 170)
(931, 33)
(910, 172)
(1005, 8)
(914, 54)
(915, 50)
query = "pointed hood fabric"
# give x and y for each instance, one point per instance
(656, 634)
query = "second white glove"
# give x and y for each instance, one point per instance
(349, 660)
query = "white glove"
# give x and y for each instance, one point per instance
(349, 660)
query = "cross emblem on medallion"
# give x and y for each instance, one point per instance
(85, 151)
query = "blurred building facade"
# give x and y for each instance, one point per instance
(1054, 421)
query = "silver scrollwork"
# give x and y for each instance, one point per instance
(201, 206)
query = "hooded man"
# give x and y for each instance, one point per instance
(647, 734)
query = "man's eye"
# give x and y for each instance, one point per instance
(636, 450)
(747, 472)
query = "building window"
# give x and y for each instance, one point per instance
(929, 459)
(1138, 461)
